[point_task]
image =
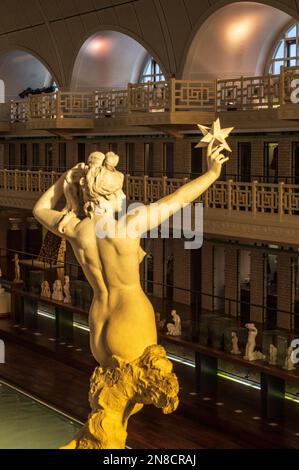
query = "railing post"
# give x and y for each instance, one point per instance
(39, 181)
(282, 85)
(270, 97)
(280, 198)
(254, 197)
(165, 178)
(207, 198)
(58, 104)
(16, 180)
(127, 185)
(5, 179)
(229, 194)
(242, 93)
(172, 84)
(145, 188)
(129, 98)
(216, 95)
(27, 180)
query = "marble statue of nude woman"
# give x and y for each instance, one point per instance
(122, 319)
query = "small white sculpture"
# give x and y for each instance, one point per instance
(16, 260)
(45, 290)
(66, 289)
(174, 329)
(289, 364)
(57, 291)
(235, 344)
(250, 353)
(273, 355)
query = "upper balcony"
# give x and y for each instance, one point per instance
(267, 212)
(171, 106)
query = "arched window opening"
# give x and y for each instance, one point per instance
(152, 72)
(286, 52)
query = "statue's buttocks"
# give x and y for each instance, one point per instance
(122, 320)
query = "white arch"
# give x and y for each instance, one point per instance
(19, 70)
(108, 59)
(235, 40)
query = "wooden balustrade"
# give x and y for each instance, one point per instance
(111, 103)
(254, 197)
(27, 181)
(237, 94)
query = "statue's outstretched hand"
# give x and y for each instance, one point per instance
(216, 159)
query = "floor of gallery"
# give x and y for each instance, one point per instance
(229, 420)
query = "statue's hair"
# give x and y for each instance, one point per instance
(101, 180)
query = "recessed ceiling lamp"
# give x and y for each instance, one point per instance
(240, 29)
(97, 46)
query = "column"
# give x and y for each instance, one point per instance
(231, 281)
(158, 165)
(257, 159)
(257, 285)
(207, 280)
(181, 272)
(158, 256)
(284, 159)
(284, 291)
(182, 158)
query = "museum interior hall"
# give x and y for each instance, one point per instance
(140, 103)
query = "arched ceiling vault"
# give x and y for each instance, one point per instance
(55, 30)
(235, 40)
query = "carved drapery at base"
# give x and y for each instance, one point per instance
(118, 393)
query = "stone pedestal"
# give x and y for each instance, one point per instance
(117, 394)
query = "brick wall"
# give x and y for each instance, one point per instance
(55, 154)
(257, 285)
(232, 164)
(231, 280)
(157, 251)
(121, 149)
(284, 290)
(207, 279)
(182, 158)
(158, 158)
(139, 158)
(181, 272)
(71, 154)
(257, 158)
(284, 158)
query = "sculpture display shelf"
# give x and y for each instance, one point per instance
(207, 359)
(133, 370)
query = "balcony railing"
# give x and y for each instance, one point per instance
(213, 96)
(27, 181)
(254, 197)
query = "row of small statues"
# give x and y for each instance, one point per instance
(251, 354)
(62, 294)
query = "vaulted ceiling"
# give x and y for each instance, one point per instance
(54, 31)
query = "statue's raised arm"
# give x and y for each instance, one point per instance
(146, 218)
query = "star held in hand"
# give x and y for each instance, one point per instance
(215, 135)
